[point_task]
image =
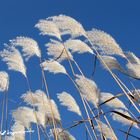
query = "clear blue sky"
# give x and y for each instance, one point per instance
(120, 18)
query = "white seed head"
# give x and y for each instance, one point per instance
(41, 118)
(68, 25)
(56, 50)
(133, 65)
(123, 120)
(67, 100)
(34, 98)
(47, 108)
(133, 70)
(44, 106)
(104, 43)
(14, 60)
(53, 67)
(132, 58)
(112, 63)
(88, 89)
(76, 45)
(29, 46)
(115, 103)
(48, 28)
(4, 81)
(18, 131)
(25, 116)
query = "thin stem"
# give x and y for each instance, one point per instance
(78, 67)
(2, 115)
(44, 132)
(130, 134)
(94, 68)
(47, 91)
(68, 58)
(129, 129)
(6, 110)
(29, 87)
(98, 123)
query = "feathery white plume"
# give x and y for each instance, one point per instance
(4, 81)
(48, 28)
(35, 98)
(76, 45)
(68, 101)
(29, 46)
(133, 66)
(53, 66)
(104, 43)
(132, 58)
(62, 134)
(88, 89)
(105, 130)
(25, 116)
(56, 49)
(68, 25)
(14, 60)
(46, 110)
(133, 70)
(18, 131)
(43, 105)
(41, 118)
(115, 103)
(121, 119)
(112, 63)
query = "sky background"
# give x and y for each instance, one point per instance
(120, 18)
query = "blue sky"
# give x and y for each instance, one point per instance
(119, 18)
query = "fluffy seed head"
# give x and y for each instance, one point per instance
(29, 46)
(53, 66)
(133, 66)
(133, 70)
(43, 106)
(123, 120)
(4, 81)
(56, 50)
(76, 45)
(68, 101)
(88, 89)
(68, 25)
(18, 131)
(112, 63)
(14, 60)
(48, 28)
(25, 116)
(34, 98)
(41, 118)
(115, 103)
(132, 58)
(104, 43)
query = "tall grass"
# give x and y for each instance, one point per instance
(99, 111)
